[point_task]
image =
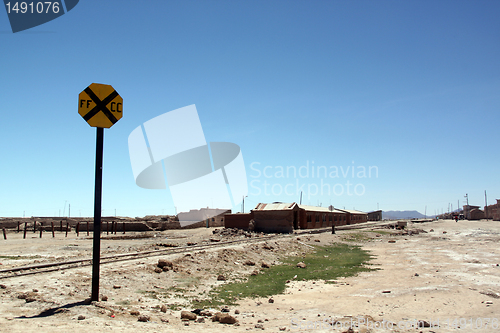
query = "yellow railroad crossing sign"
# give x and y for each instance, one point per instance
(100, 105)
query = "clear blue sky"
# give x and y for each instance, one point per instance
(409, 88)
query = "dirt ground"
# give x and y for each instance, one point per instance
(448, 276)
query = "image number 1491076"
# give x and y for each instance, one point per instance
(25, 15)
(32, 7)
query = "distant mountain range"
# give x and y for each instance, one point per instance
(402, 214)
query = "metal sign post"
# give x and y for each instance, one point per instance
(101, 107)
(96, 256)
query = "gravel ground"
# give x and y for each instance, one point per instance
(449, 274)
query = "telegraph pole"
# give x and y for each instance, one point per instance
(467, 203)
(485, 204)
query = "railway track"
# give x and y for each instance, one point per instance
(58, 266)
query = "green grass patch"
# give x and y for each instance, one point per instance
(356, 237)
(324, 263)
(19, 257)
(382, 232)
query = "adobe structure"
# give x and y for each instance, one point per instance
(281, 217)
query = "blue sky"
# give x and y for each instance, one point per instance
(409, 88)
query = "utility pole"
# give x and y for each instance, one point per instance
(485, 204)
(467, 203)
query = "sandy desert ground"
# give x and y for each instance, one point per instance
(448, 276)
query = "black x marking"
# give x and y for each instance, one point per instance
(100, 105)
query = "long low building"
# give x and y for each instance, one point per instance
(286, 217)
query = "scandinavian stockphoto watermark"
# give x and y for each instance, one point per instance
(310, 179)
(25, 15)
(171, 148)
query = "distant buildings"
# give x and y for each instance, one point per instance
(375, 215)
(200, 217)
(493, 211)
(286, 217)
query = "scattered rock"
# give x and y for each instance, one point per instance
(265, 265)
(200, 320)
(158, 270)
(423, 323)
(164, 262)
(214, 240)
(144, 318)
(236, 311)
(250, 263)
(104, 298)
(28, 297)
(317, 240)
(116, 287)
(221, 278)
(3, 286)
(445, 232)
(282, 328)
(216, 316)
(259, 326)
(224, 309)
(271, 300)
(386, 292)
(267, 247)
(191, 243)
(392, 241)
(188, 315)
(163, 308)
(206, 313)
(432, 230)
(254, 273)
(81, 317)
(227, 319)
(135, 313)
(416, 274)
(301, 265)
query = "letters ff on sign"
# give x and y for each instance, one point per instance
(100, 105)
